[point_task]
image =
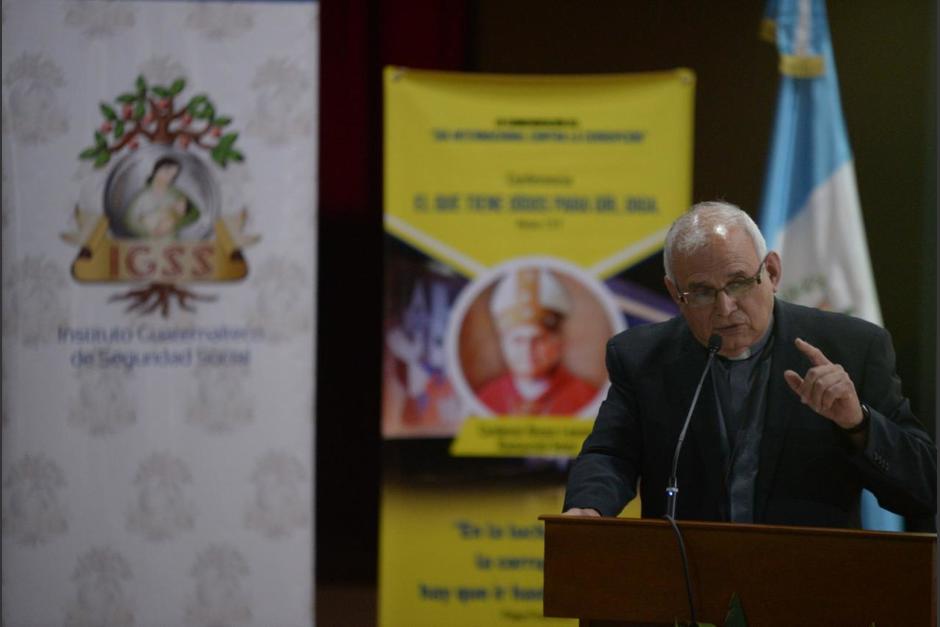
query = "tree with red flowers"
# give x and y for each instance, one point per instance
(151, 111)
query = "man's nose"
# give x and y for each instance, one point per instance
(724, 304)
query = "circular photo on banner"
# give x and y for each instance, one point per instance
(528, 339)
(158, 192)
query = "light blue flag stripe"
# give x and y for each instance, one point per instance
(809, 139)
(809, 144)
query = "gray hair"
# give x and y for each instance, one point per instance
(690, 231)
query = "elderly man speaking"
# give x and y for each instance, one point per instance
(799, 411)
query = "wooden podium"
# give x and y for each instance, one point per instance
(617, 571)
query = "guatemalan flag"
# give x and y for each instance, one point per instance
(810, 210)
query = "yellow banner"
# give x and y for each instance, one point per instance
(522, 436)
(482, 168)
(515, 207)
(472, 565)
(477, 565)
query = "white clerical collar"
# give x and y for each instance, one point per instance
(757, 347)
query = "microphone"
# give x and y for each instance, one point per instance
(672, 489)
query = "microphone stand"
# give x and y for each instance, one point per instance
(672, 489)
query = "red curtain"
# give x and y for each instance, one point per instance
(358, 38)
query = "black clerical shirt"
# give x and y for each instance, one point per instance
(740, 387)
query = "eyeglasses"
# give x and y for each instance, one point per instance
(736, 289)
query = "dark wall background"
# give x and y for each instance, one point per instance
(886, 57)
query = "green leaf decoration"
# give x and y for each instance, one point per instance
(141, 86)
(102, 158)
(100, 141)
(200, 107)
(222, 155)
(119, 129)
(138, 110)
(108, 112)
(127, 98)
(222, 121)
(735, 617)
(177, 86)
(227, 140)
(88, 153)
(163, 92)
(196, 101)
(205, 111)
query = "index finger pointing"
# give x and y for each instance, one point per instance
(816, 356)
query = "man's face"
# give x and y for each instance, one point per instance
(531, 350)
(728, 256)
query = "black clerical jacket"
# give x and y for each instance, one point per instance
(809, 473)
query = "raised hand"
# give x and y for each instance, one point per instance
(826, 388)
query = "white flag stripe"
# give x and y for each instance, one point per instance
(827, 239)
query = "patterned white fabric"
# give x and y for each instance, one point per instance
(158, 470)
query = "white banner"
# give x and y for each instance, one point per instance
(159, 247)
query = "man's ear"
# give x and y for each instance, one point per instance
(774, 268)
(673, 290)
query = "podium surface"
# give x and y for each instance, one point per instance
(617, 571)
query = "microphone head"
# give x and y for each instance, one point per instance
(714, 343)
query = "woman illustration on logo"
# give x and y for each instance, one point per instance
(160, 210)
